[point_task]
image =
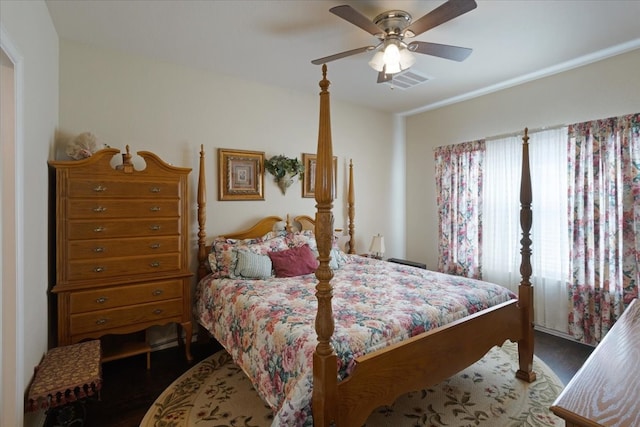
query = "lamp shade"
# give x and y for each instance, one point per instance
(377, 246)
(377, 62)
(406, 59)
(392, 58)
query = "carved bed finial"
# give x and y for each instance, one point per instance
(325, 390)
(351, 207)
(288, 225)
(525, 290)
(202, 217)
(324, 83)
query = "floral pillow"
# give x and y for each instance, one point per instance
(224, 257)
(221, 257)
(300, 238)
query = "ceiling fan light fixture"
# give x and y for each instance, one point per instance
(406, 59)
(377, 62)
(392, 68)
(391, 55)
(392, 58)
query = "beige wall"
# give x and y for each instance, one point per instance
(603, 89)
(172, 110)
(26, 26)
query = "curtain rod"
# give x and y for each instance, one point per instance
(521, 132)
(518, 133)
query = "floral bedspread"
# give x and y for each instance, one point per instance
(268, 325)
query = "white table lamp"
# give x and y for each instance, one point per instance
(376, 249)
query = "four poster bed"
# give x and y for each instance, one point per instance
(359, 332)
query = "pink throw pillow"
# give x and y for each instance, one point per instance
(293, 262)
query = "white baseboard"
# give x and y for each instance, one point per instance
(558, 334)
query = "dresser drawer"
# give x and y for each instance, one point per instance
(120, 296)
(131, 315)
(114, 267)
(134, 189)
(110, 208)
(101, 229)
(110, 248)
(121, 241)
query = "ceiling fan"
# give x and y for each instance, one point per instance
(392, 27)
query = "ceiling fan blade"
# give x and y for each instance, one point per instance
(443, 13)
(340, 55)
(348, 13)
(445, 51)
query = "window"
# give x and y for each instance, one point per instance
(501, 219)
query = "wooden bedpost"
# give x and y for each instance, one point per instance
(325, 362)
(525, 290)
(352, 211)
(202, 217)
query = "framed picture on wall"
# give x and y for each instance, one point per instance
(240, 174)
(309, 181)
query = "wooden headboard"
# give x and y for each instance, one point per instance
(271, 223)
(263, 225)
(259, 229)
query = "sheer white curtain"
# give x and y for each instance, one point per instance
(549, 235)
(501, 212)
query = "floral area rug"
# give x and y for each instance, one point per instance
(216, 392)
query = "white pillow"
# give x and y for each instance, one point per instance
(252, 266)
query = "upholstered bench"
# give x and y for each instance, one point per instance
(65, 375)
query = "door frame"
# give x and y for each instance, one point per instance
(12, 375)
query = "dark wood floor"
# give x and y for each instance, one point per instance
(129, 389)
(563, 356)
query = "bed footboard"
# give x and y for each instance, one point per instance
(380, 378)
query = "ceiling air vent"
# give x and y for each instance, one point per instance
(407, 79)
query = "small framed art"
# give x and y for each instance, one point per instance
(240, 174)
(309, 181)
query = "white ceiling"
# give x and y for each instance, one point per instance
(273, 42)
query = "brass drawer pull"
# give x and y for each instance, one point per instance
(155, 264)
(155, 189)
(99, 189)
(101, 321)
(99, 209)
(154, 208)
(154, 227)
(155, 246)
(98, 249)
(101, 300)
(157, 292)
(157, 311)
(98, 269)
(99, 229)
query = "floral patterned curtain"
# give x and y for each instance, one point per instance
(459, 198)
(604, 223)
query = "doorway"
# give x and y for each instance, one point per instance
(11, 369)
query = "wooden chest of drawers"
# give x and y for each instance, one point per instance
(121, 246)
